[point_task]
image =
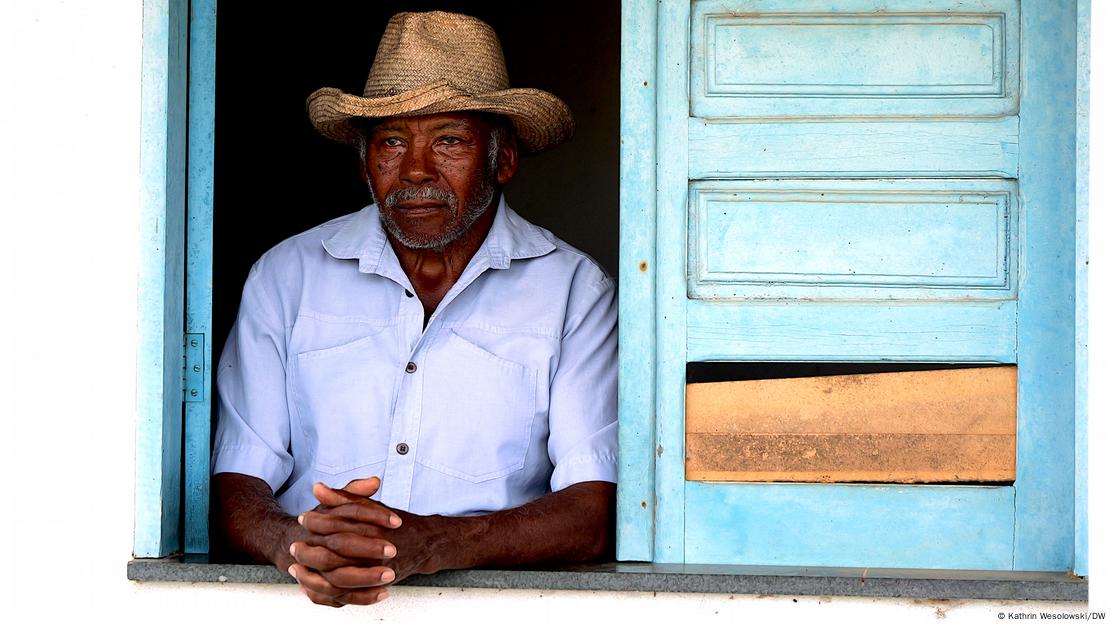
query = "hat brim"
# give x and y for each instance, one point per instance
(542, 120)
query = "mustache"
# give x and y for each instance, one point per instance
(420, 193)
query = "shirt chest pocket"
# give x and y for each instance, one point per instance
(478, 414)
(344, 402)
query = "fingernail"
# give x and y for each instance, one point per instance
(390, 550)
(394, 521)
(388, 575)
(292, 572)
(293, 549)
(300, 519)
(382, 596)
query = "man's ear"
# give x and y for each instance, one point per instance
(507, 162)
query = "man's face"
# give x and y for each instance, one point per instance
(433, 176)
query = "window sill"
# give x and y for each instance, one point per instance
(718, 579)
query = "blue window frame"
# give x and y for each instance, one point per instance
(660, 514)
(175, 289)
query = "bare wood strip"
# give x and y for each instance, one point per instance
(973, 401)
(863, 476)
(897, 458)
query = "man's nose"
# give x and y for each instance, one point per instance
(417, 166)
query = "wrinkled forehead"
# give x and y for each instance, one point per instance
(468, 120)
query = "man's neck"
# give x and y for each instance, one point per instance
(433, 272)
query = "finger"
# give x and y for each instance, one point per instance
(352, 546)
(318, 557)
(326, 523)
(361, 596)
(358, 577)
(367, 596)
(364, 487)
(368, 512)
(320, 599)
(315, 583)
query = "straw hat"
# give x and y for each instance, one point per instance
(437, 63)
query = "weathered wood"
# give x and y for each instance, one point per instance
(161, 279)
(636, 391)
(850, 458)
(912, 427)
(769, 59)
(848, 149)
(1082, 168)
(672, 188)
(852, 331)
(899, 526)
(1045, 501)
(970, 400)
(807, 122)
(891, 240)
(198, 270)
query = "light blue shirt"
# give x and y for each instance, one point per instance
(509, 393)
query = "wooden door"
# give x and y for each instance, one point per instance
(857, 181)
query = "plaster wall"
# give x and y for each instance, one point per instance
(69, 208)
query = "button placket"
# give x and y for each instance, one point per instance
(397, 483)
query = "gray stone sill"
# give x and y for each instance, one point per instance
(648, 577)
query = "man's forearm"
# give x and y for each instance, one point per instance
(574, 524)
(251, 521)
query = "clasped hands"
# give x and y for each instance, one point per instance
(352, 548)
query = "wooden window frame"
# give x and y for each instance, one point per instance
(175, 278)
(178, 95)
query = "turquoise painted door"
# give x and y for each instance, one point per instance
(848, 181)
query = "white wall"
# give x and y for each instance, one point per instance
(69, 189)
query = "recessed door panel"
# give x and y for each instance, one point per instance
(915, 58)
(881, 239)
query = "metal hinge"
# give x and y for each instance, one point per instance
(192, 368)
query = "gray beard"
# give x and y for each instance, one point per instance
(456, 228)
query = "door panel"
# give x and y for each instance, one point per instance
(894, 240)
(890, 526)
(908, 58)
(845, 149)
(847, 332)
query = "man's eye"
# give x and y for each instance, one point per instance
(451, 140)
(392, 142)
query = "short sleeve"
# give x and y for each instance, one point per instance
(252, 430)
(583, 409)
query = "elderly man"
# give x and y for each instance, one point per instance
(428, 383)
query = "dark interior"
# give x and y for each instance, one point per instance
(276, 177)
(707, 372)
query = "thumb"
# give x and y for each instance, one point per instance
(353, 492)
(364, 487)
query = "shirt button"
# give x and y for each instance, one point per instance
(410, 367)
(402, 449)
(408, 293)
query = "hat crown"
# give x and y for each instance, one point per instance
(418, 49)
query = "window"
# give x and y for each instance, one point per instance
(684, 130)
(274, 176)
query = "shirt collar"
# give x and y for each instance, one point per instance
(363, 238)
